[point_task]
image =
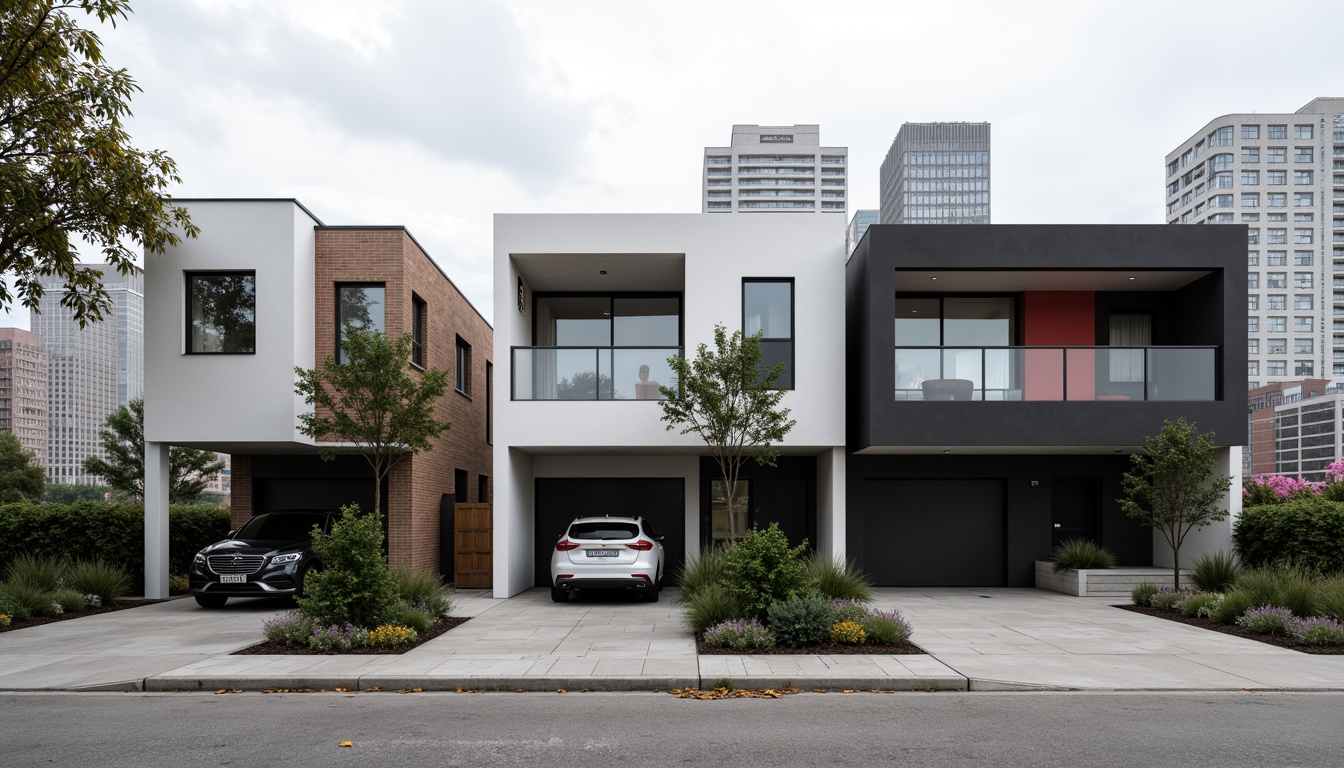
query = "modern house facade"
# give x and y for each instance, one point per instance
(23, 390)
(775, 169)
(267, 288)
(936, 173)
(1000, 376)
(1281, 175)
(588, 308)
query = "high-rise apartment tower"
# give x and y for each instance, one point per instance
(937, 173)
(775, 168)
(92, 370)
(23, 390)
(1282, 176)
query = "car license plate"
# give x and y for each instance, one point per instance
(602, 553)
(233, 578)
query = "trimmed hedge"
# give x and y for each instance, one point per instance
(87, 530)
(1306, 532)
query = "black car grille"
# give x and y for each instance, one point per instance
(235, 563)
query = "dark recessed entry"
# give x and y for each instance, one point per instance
(561, 499)
(945, 533)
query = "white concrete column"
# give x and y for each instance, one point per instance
(513, 528)
(156, 520)
(1216, 536)
(831, 502)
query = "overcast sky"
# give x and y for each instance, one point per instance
(438, 114)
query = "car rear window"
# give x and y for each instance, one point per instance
(296, 525)
(602, 531)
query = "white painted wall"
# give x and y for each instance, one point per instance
(1218, 536)
(232, 398)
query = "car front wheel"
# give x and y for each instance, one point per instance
(211, 601)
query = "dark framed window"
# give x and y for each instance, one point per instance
(463, 367)
(419, 326)
(489, 403)
(360, 307)
(461, 479)
(221, 313)
(483, 488)
(767, 309)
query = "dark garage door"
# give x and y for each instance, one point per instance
(945, 533)
(559, 500)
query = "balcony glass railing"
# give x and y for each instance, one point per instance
(1056, 373)
(592, 373)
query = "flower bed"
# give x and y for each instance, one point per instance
(1283, 641)
(823, 649)
(37, 621)
(272, 647)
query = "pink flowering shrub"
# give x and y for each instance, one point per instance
(1274, 489)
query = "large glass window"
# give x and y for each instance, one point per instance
(767, 309)
(462, 367)
(221, 313)
(359, 307)
(957, 328)
(419, 330)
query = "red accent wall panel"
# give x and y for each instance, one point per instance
(1058, 318)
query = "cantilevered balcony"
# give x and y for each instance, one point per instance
(592, 373)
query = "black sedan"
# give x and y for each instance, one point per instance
(268, 557)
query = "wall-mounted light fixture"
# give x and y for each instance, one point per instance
(1035, 483)
(522, 300)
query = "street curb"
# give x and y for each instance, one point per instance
(534, 683)
(569, 684)
(999, 686)
(932, 683)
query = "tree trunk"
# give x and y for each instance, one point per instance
(1176, 566)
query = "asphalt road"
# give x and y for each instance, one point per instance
(644, 729)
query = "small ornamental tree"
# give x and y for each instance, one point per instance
(21, 478)
(727, 397)
(1172, 487)
(373, 400)
(123, 439)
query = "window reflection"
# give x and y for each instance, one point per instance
(223, 313)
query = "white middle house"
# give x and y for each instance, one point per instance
(587, 310)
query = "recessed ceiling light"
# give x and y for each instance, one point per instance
(603, 272)
(933, 278)
(1132, 278)
(946, 451)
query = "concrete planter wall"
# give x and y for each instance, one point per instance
(1101, 582)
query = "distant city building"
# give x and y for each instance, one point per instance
(1308, 455)
(937, 173)
(93, 370)
(1261, 456)
(1282, 176)
(858, 224)
(775, 168)
(23, 390)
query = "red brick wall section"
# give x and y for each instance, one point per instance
(240, 493)
(415, 485)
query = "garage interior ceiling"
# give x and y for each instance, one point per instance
(1017, 280)
(584, 271)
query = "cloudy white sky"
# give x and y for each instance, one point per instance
(437, 114)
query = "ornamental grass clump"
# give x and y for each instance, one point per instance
(1266, 620)
(1330, 597)
(1216, 572)
(1200, 605)
(423, 591)
(745, 634)
(1317, 630)
(1283, 585)
(839, 579)
(712, 604)
(848, 633)
(40, 573)
(1081, 554)
(800, 620)
(404, 614)
(699, 572)
(108, 581)
(1143, 595)
(887, 628)
(1233, 605)
(69, 600)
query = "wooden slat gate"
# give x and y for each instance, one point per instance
(473, 566)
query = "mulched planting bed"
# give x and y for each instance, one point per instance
(279, 649)
(38, 621)
(1233, 629)
(823, 649)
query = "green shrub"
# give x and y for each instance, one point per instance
(1143, 594)
(10, 605)
(1255, 494)
(423, 590)
(1304, 532)
(839, 579)
(1232, 606)
(69, 600)
(292, 628)
(1168, 599)
(41, 572)
(1201, 604)
(700, 571)
(1317, 630)
(848, 610)
(1216, 572)
(800, 620)
(886, 628)
(30, 602)
(848, 633)
(1333, 492)
(713, 604)
(88, 530)
(1266, 620)
(1284, 585)
(762, 569)
(354, 585)
(744, 634)
(98, 577)
(406, 615)
(1080, 554)
(1330, 597)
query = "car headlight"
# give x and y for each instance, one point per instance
(292, 557)
(199, 559)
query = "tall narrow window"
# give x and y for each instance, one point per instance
(767, 308)
(463, 367)
(489, 403)
(221, 313)
(419, 330)
(359, 307)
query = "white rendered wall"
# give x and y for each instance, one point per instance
(232, 398)
(1218, 536)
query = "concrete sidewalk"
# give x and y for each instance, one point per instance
(977, 639)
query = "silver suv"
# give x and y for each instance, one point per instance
(608, 553)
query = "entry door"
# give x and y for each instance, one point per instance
(1075, 505)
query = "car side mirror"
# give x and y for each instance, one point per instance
(658, 537)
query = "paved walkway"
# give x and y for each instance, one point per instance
(977, 639)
